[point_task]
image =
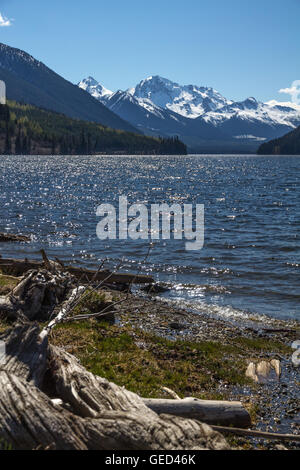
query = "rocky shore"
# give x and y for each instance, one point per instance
(275, 402)
(147, 344)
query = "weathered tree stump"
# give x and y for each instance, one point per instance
(26, 353)
(95, 414)
(36, 296)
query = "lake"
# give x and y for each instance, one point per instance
(250, 261)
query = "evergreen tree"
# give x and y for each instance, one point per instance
(18, 145)
(83, 144)
(23, 125)
(53, 145)
(7, 149)
(89, 145)
(24, 150)
(4, 113)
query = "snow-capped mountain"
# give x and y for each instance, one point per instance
(149, 118)
(249, 110)
(94, 88)
(200, 116)
(157, 93)
(188, 100)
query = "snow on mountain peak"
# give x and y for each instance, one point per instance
(94, 88)
(187, 100)
(251, 110)
(160, 97)
(155, 91)
(91, 81)
(251, 100)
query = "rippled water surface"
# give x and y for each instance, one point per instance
(251, 257)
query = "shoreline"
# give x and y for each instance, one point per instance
(203, 357)
(153, 343)
(275, 405)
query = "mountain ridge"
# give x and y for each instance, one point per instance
(201, 117)
(30, 81)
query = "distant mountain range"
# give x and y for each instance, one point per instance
(289, 144)
(201, 117)
(30, 81)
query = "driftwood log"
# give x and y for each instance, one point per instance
(36, 296)
(225, 413)
(41, 295)
(10, 237)
(46, 396)
(90, 413)
(18, 267)
(49, 401)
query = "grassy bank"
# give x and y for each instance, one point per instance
(207, 363)
(7, 283)
(143, 362)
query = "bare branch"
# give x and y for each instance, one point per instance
(63, 312)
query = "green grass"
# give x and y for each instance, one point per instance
(5, 445)
(262, 345)
(144, 363)
(93, 302)
(7, 283)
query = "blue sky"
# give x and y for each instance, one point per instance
(240, 47)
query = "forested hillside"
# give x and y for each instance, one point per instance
(289, 144)
(26, 129)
